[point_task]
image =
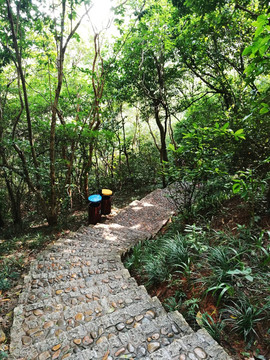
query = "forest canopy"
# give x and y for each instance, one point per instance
(180, 94)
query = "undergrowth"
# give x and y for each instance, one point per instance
(218, 280)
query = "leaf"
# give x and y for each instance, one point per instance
(236, 188)
(247, 51)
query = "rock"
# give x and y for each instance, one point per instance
(130, 348)
(79, 317)
(48, 324)
(120, 326)
(89, 312)
(129, 321)
(174, 329)
(94, 334)
(155, 336)
(165, 342)
(38, 312)
(153, 346)
(87, 340)
(138, 318)
(164, 331)
(56, 354)
(44, 356)
(101, 339)
(58, 332)
(66, 356)
(26, 340)
(191, 356)
(182, 357)
(120, 351)
(150, 313)
(56, 347)
(141, 351)
(200, 353)
(77, 341)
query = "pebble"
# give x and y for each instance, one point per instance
(141, 351)
(66, 356)
(138, 317)
(58, 332)
(79, 317)
(200, 353)
(101, 339)
(120, 351)
(94, 334)
(153, 346)
(77, 341)
(38, 312)
(130, 348)
(150, 313)
(48, 324)
(56, 354)
(87, 340)
(56, 347)
(155, 336)
(44, 356)
(174, 329)
(120, 326)
(182, 357)
(191, 356)
(89, 312)
(26, 340)
(165, 342)
(30, 332)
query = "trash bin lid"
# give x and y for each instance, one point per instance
(95, 198)
(106, 192)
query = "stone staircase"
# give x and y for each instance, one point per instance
(79, 302)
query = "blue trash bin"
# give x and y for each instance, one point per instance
(94, 209)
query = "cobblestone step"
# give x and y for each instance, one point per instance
(112, 281)
(77, 271)
(90, 334)
(197, 346)
(138, 342)
(53, 262)
(59, 281)
(40, 323)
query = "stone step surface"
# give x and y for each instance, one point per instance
(95, 332)
(151, 334)
(79, 302)
(41, 322)
(196, 346)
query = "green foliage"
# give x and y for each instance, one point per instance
(10, 271)
(244, 317)
(214, 328)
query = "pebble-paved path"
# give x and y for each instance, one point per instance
(79, 302)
